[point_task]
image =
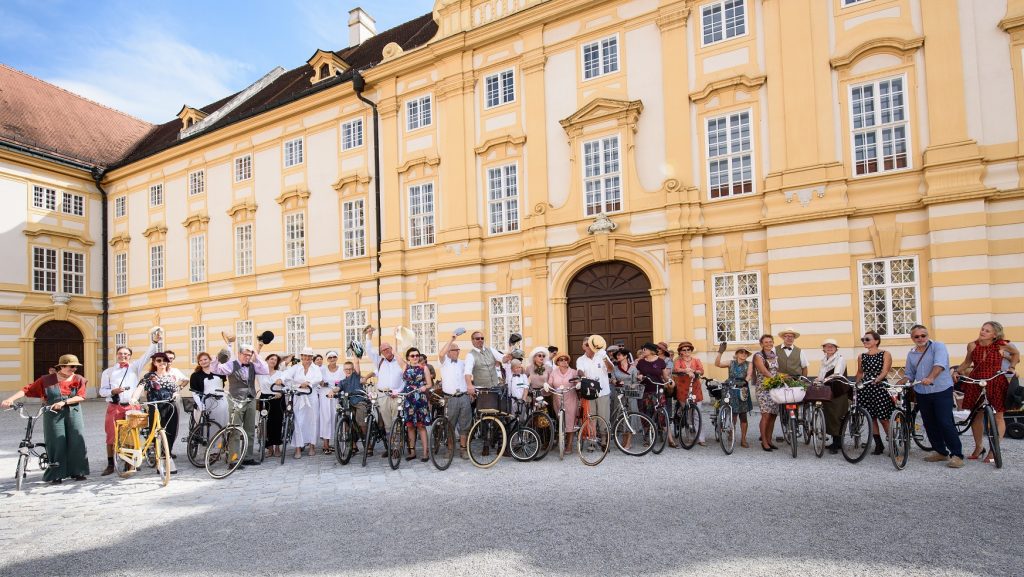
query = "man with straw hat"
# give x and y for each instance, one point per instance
(63, 426)
(594, 364)
(792, 360)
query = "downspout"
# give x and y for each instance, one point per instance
(359, 85)
(97, 176)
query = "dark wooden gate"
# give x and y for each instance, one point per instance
(53, 339)
(610, 299)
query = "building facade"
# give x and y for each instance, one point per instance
(703, 170)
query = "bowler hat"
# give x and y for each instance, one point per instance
(266, 337)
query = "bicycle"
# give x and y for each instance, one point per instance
(541, 422)
(855, 430)
(259, 448)
(899, 426)
(346, 430)
(659, 415)
(228, 447)
(687, 421)
(722, 415)
(991, 430)
(634, 431)
(488, 430)
(592, 435)
(200, 432)
(373, 429)
(442, 433)
(28, 449)
(288, 415)
(130, 447)
(523, 440)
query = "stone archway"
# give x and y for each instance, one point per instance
(53, 339)
(612, 299)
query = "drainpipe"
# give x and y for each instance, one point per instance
(97, 176)
(359, 85)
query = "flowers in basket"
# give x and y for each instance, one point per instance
(785, 390)
(782, 381)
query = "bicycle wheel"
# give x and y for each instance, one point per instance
(794, 434)
(163, 457)
(287, 430)
(396, 444)
(368, 440)
(20, 471)
(544, 426)
(818, 431)
(343, 439)
(717, 424)
(487, 441)
(992, 432)
(806, 414)
(634, 434)
(198, 438)
(442, 443)
(856, 434)
(224, 453)
(689, 427)
(592, 440)
(727, 432)
(561, 435)
(523, 444)
(259, 447)
(661, 430)
(918, 432)
(898, 439)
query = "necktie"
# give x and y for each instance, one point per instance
(123, 365)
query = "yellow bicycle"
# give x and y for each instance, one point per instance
(136, 441)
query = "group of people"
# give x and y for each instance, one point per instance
(404, 383)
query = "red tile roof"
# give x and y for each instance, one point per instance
(47, 119)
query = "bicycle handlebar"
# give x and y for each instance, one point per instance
(984, 382)
(20, 408)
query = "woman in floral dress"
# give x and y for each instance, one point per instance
(766, 364)
(416, 406)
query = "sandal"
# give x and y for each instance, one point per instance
(977, 455)
(744, 445)
(328, 451)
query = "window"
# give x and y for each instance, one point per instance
(355, 321)
(325, 71)
(503, 199)
(354, 221)
(499, 89)
(888, 295)
(73, 204)
(156, 266)
(196, 340)
(723, 20)
(352, 134)
(293, 152)
(424, 325)
(120, 206)
(295, 334)
(44, 198)
(878, 114)
(73, 272)
(295, 239)
(243, 249)
(243, 333)
(601, 175)
(156, 195)
(729, 155)
(418, 113)
(121, 273)
(197, 258)
(852, 2)
(505, 319)
(601, 57)
(737, 307)
(44, 269)
(243, 168)
(421, 214)
(196, 182)
(120, 340)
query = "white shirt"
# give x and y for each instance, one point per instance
(125, 377)
(471, 360)
(264, 382)
(296, 376)
(516, 383)
(837, 361)
(333, 378)
(178, 375)
(594, 368)
(453, 376)
(389, 373)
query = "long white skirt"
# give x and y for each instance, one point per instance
(328, 411)
(306, 412)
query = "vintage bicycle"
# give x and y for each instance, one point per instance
(288, 414)
(855, 430)
(633, 431)
(346, 429)
(442, 434)
(140, 438)
(27, 449)
(202, 430)
(686, 419)
(592, 434)
(228, 447)
(983, 409)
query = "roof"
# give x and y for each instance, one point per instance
(290, 86)
(46, 119)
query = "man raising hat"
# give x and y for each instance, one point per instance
(116, 385)
(241, 374)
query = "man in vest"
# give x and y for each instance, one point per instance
(792, 360)
(483, 368)
(116, 385)
(241, 385)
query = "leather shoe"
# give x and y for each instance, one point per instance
(108, 471)
(250, 462)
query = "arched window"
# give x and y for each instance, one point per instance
(325, 71)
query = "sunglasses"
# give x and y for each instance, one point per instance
(924, 336)
(159, 361)
(866, 339)
(682, 350)
(478, 338)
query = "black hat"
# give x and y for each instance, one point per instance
(266, 337)
(514, 338)
(651, 347)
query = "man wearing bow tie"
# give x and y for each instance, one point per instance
(116, 385)
(241, 373)
(792, 360)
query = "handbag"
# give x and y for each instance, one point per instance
(822, 393)
(1014, 395)
(590, 389)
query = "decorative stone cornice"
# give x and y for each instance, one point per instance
(888, 44)
(712, 88)
(670, 18)
(298, 193)
(196, 222)
(358, 177)
(534, 61)
(387, 107)
(600, 109)
(243, 210)
(1012, 24)
(432, 160)
(120, 240)
(155, 232)
(36, 229)
(506, 139)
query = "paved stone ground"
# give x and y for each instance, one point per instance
(696, 512)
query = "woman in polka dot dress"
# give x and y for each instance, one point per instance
(872, 368)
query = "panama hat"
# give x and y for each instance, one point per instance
(789, 331)
(306, 352)
(596, 342)
(830, 342)
(68, 361)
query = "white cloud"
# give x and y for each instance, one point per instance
(150, 74)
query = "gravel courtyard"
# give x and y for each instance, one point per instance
(696, 512)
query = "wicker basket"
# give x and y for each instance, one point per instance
(136, 419)
(633, 391)
(787, 395)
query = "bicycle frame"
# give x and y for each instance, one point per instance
(135, 457)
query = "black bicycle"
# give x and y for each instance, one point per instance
(202, 430)
(541, 421)
(27, 449)
(899, 426)
(687, 422)
(373, 429)
(855, 430)
(442, 433)
(346, 429)
(288, 416)
(983, 408)
(633, 431)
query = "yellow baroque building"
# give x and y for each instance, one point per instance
(667, 170)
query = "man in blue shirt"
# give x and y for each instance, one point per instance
(928, 363)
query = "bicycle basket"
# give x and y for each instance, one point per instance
(590, 389)
(633, 391)
(715, 389)
(188, 403)
(136, 419)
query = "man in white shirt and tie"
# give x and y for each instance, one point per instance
(389, 378)
(116, 386)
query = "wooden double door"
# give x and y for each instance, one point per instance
(612, 300)
(53, 339)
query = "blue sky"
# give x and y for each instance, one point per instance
(149, 57)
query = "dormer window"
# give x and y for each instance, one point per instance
(326, 65)
(189, 116)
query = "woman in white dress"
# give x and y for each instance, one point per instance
(333, 375)
(305, 376)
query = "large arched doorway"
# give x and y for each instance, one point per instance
(53, 339)
(611, 299)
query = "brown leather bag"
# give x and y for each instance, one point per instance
(821, 393)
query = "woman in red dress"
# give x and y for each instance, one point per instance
(988, 355)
